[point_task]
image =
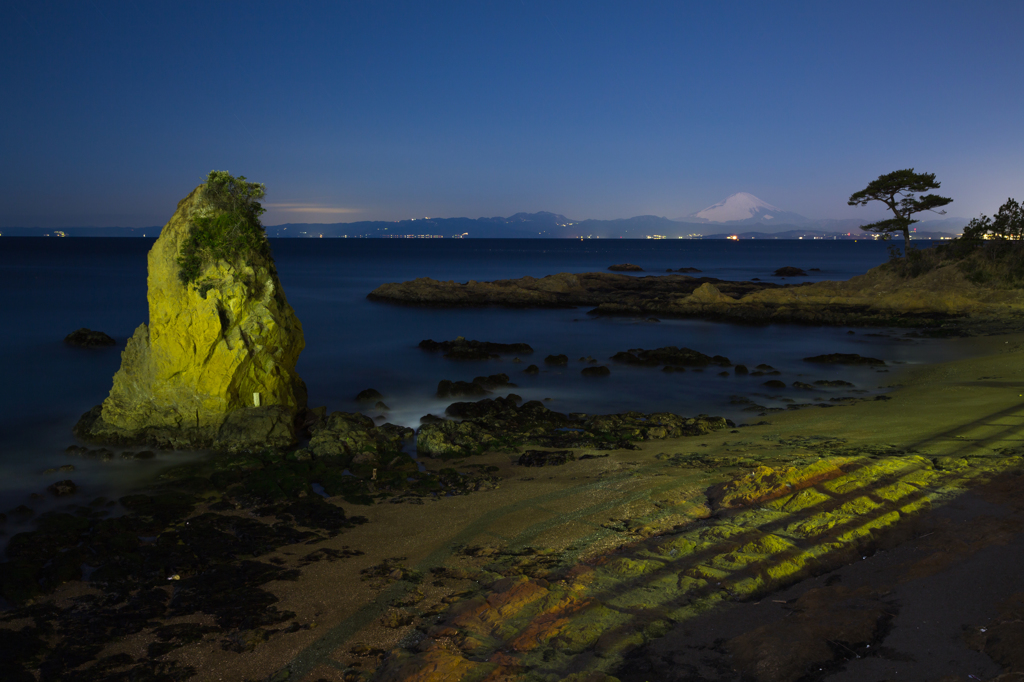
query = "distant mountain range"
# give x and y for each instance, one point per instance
(745, 209)
(742, 215)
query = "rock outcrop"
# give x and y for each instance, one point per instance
(215, 366)
(87, 338)
(955, 289)
(564, 290)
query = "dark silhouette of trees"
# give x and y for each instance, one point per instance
(1008, 223)
(898, 190)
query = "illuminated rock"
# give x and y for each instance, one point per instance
(215, 366)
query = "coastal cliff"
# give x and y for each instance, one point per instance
(215, 365)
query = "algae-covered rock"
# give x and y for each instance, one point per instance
(765, 483)
(223, 342)
(504, 423)
(709, 294)
(352, 436)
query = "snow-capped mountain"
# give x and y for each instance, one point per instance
(745, 208)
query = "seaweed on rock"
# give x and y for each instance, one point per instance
(503, 424)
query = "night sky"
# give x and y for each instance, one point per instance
(112, 112)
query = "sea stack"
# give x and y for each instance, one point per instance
(215, 366)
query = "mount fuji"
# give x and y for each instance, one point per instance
(743, 208)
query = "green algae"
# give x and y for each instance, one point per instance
(741, 554)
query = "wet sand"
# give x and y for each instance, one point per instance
(443, 589)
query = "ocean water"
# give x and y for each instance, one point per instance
(54, 286)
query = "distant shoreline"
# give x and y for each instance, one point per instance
(275, 232)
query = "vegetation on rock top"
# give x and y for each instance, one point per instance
(229, 230)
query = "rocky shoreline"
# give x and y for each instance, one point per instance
(565, 546)
(949, 296)
(522, 543)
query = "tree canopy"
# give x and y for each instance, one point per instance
(898, 190)
(230, 230)
(1008, 223)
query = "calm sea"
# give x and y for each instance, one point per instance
(53, 286)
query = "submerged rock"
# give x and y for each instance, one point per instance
(215, 365)
(625, 267)
(369, 395)
(599, 371)
(670, 355)
(846, 359)
(88, 338)
(482, 408)
(62, 488)
(458, 389)
(463, 349)
(789, 271)
(479, 387)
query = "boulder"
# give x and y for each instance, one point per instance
(62, 488)
(557, 360)
(369, 395)
(789, 271)
(88, 338)
(346, 436)
(482, 409)
(709, 294)
(846, 359)
(625, 267)
(267, 425)
(532, 369)
(478, 387)
(458, 389)
(226, 342)
(493, 381)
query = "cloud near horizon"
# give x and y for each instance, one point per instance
(310, 208)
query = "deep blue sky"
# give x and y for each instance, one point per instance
(111, 112)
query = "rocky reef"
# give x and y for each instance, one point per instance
(503, 424)
(960, 287)
(564, 290)
(215, 365)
